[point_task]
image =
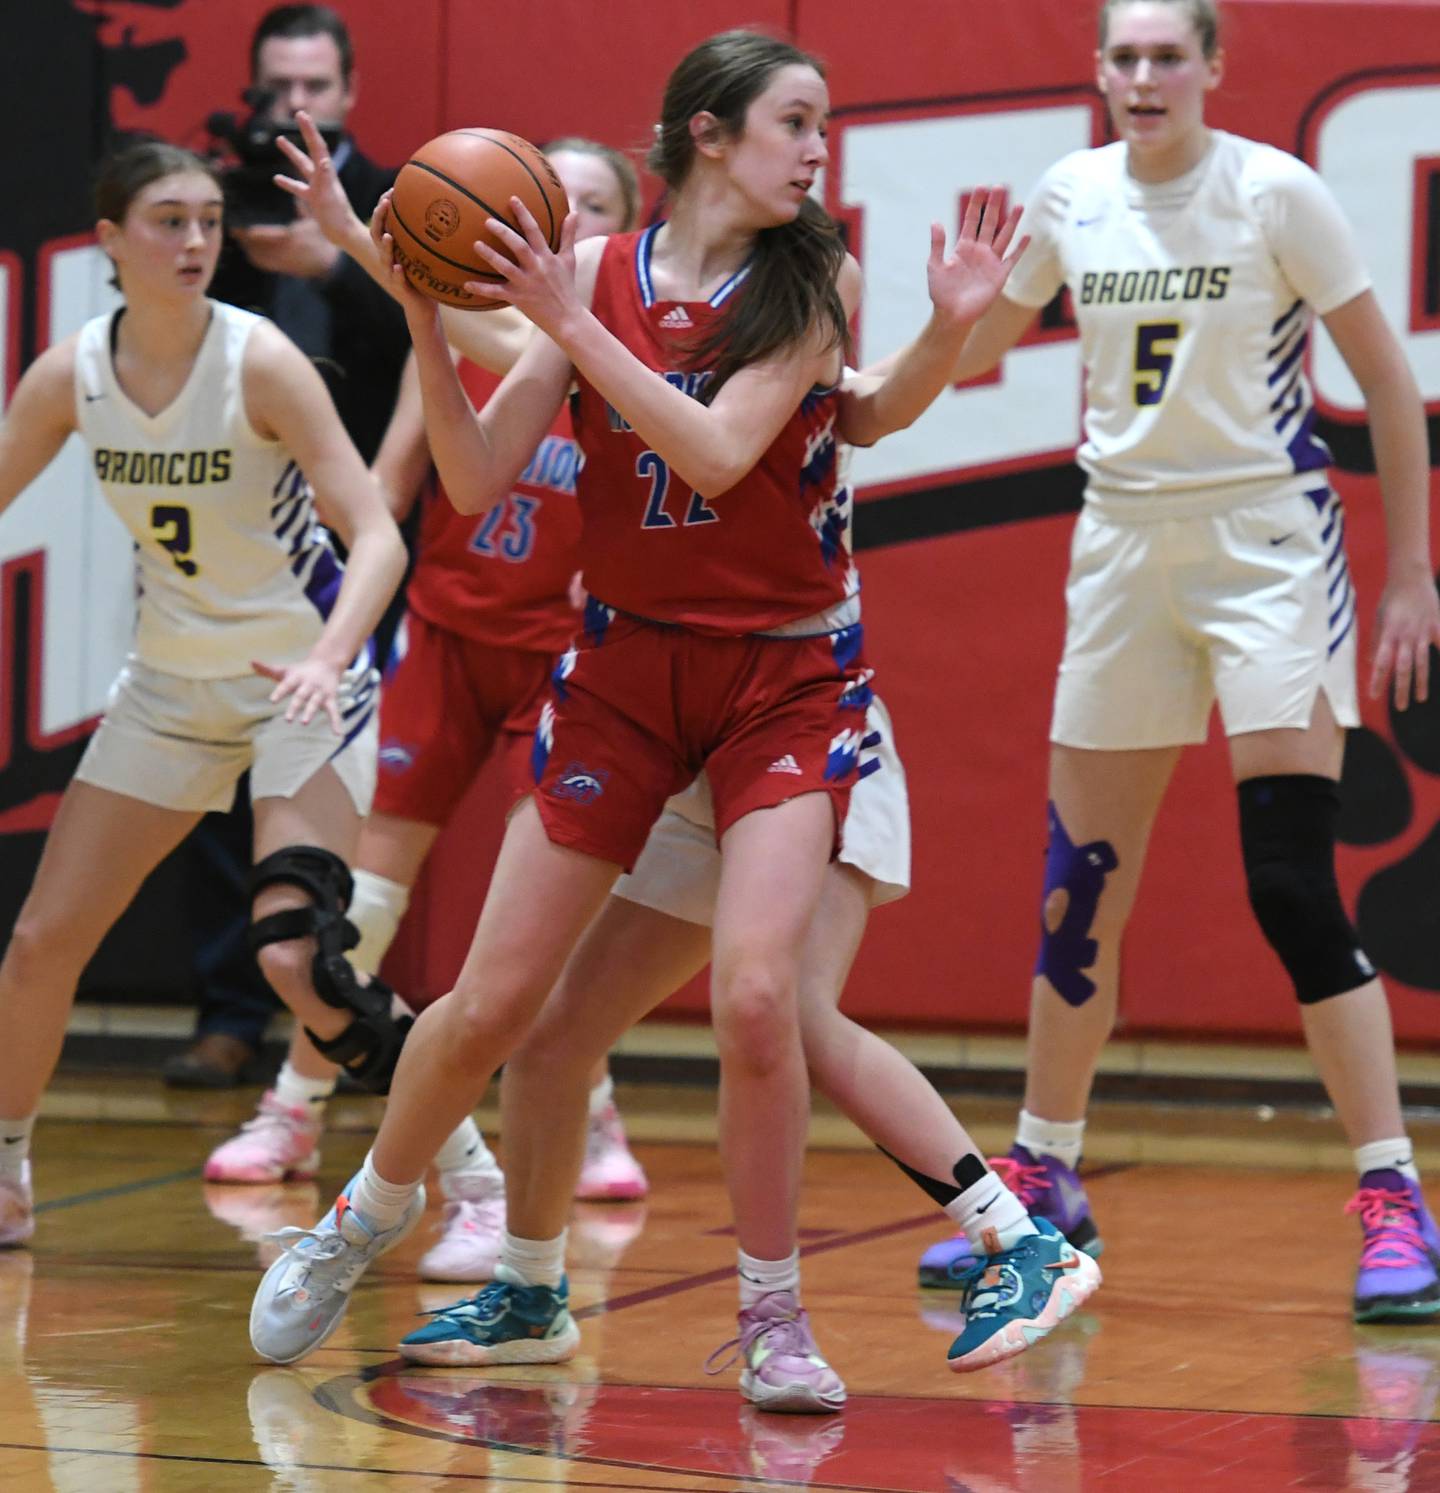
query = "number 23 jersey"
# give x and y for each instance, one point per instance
(1194, 300)
(231, 565)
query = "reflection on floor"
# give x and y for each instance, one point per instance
(1219, 1354)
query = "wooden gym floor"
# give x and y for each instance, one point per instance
(1219, 1355)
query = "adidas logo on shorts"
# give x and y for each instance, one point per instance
(787, 763)
(677, 319)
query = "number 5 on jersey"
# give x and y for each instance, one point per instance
(650, 464)
(1154, 358)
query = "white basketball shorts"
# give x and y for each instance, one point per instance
(1249, 606)
(183, 743)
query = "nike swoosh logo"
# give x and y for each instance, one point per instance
(988, 1206)
(1284, 537)
(1088, 222)
(91, 398)
(13, 1140)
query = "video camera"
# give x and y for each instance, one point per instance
(249, 156)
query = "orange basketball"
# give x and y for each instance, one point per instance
(445, 192)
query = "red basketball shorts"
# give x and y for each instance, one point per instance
(636, 710)
(446, 704)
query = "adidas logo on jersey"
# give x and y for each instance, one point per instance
(677, 319)
(787, 763)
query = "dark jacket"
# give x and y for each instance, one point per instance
(354, 331)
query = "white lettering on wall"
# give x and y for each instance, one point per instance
(89, 566)
(1366, 150)
(902, 175)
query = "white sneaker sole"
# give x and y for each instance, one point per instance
(1071, 1291)
(555, 1349)
(789, 1399)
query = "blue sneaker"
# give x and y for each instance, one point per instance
(1397, 1280)
(1015, 1297)
(1046, 1188)
(303, 1295)
(504, 1323)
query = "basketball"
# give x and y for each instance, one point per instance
(446, 191)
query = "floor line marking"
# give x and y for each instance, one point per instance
(123, 1189)
(563, 1480)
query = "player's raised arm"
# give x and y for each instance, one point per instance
(964, 285)
(40, 417)
(479, 456)
(710, 447)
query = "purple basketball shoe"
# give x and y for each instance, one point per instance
(1047, 1188)
(1397, 1280)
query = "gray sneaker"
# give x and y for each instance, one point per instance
(303, 1295)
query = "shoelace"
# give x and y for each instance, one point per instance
(789, 1334)
(484, 1304)
(1026, 1182)
(1392, 1227)
(329, 1245)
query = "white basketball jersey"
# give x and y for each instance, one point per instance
(1194, 300)
(231, 564)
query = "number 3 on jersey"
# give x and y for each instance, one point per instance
(170, 523)
(507, 530)
(649, 464)
(1154, 357)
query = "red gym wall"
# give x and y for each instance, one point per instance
(964, 619)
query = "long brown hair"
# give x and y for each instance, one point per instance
(792, 289)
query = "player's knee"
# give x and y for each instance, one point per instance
(37, 951)
(301, 950)
(1075, 878)
(753, 1010)
(286, 967)
(485, 1026)
(1287, 839)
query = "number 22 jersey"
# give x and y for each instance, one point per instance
(770, 552)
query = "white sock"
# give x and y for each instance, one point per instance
(990, 1216)
(295, 1091)
(380, 1202)
(1379, 1155)
(376, 910)
(601, 1095)
(759, 1277)
(467, 1166)
(15, 1146)
(1061, 1139)
(532, 1262)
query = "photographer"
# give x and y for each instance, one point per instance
(279, 264)
(301, 58)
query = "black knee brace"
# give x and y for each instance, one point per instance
(369, 1047)
(1287, 838)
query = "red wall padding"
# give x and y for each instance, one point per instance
(964, 629)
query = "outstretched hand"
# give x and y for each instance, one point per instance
(316, 184)
(535, 279)
(965, 282)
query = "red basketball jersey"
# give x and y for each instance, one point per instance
(503, 577)
(772, 550)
